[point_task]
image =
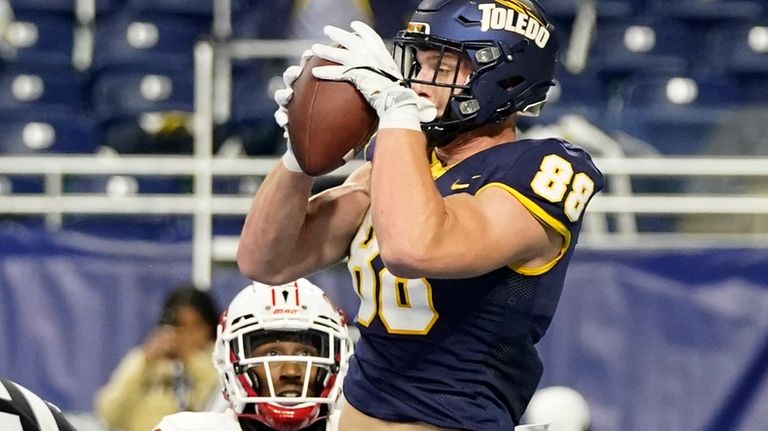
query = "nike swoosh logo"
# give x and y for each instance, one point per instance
(458, 186)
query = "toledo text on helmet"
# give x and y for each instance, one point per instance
(517, 18)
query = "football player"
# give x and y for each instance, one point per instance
(458, 235)
(22, 410)
(282, 352)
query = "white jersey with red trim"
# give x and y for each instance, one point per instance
(224, 421)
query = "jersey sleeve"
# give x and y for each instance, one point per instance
(554, 181)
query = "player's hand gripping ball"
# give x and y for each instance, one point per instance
(328, 121)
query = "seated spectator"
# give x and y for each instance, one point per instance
(172, 371)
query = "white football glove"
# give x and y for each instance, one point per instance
(282, 97)
(366, 62)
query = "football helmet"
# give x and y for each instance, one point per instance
(250, 362)
(563, 408)
(512, 48)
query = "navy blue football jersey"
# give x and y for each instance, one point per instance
(459, 353)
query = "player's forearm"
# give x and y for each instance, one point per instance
(407, 209)
(273, 225)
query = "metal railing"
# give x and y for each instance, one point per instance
(203, 205)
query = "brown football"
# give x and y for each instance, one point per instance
(327, 120)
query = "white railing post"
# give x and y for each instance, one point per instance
(202, 236)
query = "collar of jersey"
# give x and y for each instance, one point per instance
(437, 167)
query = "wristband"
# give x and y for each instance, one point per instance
(402, 117)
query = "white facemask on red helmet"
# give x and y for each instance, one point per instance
(298, 312)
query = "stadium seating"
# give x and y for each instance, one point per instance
(624, 47)
(121, 98)
(252, 122)
(740, 47)
(125, 94)
(584, 94)
(127, 185)
(192, 8)
(26, 90)
(676, 113)
(127, 40)
(251, 93)
(143, 61)
(264, 19)
(566, 9)
(706, 10)
(41, 38)
(37, 134)
(62, 6)
(15, 184)
(391, 17)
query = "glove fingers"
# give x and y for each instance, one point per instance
(291, 74)
(305, 56)
(368, 34)
(427, 110)
(283, 96)
(281, 117)
(376, 47)
(347, 39)
(331, 73)
(337, 55)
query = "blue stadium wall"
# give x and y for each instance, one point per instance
(655, 340)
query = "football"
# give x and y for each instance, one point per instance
(327, 120)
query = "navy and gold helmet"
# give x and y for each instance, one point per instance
(513, 50)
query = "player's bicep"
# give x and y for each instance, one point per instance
(494, 228)
(477, 234)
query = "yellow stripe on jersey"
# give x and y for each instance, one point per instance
(546, 218)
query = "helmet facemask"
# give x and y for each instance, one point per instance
(285, 376)
(461, 108)
(310, 353)
(282, 352)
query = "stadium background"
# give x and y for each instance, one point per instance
(134, 133)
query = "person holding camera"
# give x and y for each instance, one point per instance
(170, 372)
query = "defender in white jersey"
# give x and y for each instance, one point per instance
(282, 352)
